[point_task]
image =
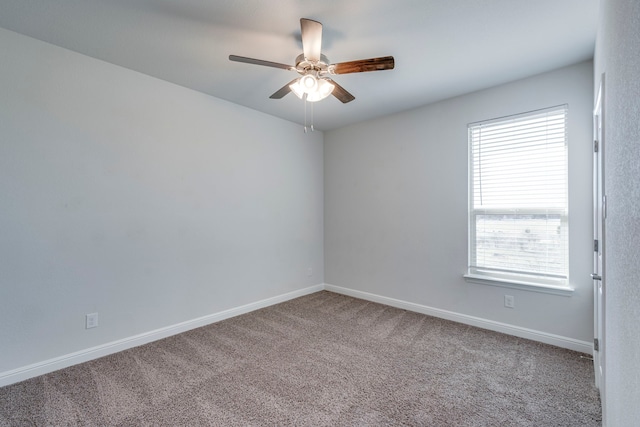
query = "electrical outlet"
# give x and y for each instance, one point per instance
(509, 301)
(91, 320)
(310, 272)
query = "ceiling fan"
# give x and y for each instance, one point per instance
(313, 67)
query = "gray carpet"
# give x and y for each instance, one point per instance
(320, 360)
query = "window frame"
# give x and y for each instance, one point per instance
(549, 283)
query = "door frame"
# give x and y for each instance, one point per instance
(599, 216)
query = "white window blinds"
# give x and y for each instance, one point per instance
(518, 195)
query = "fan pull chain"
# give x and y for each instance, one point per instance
(304, 98)
(312, 117)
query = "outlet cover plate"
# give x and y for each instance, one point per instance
(509, 301)
(91, 320)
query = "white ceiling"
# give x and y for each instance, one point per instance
(442, 48)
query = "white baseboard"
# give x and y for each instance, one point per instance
(544, 337)
(46, 366)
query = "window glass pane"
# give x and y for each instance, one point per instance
(532, 244)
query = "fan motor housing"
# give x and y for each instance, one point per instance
(303, 66)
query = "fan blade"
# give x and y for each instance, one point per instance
(311, 39)
(341, 93)
(283, 90)
(260, 62)
(363, 65)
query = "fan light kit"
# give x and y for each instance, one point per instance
(311, 88)
(313, 84)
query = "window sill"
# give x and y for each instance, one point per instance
(520, 284)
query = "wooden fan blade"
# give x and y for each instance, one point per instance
(341, 93)
(260, 62)
(364, 65)
(311, 39)
(283, 90)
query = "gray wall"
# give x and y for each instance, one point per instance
(618, 56)
(396, 205)
(141, 200)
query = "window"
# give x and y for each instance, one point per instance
(518, 215)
